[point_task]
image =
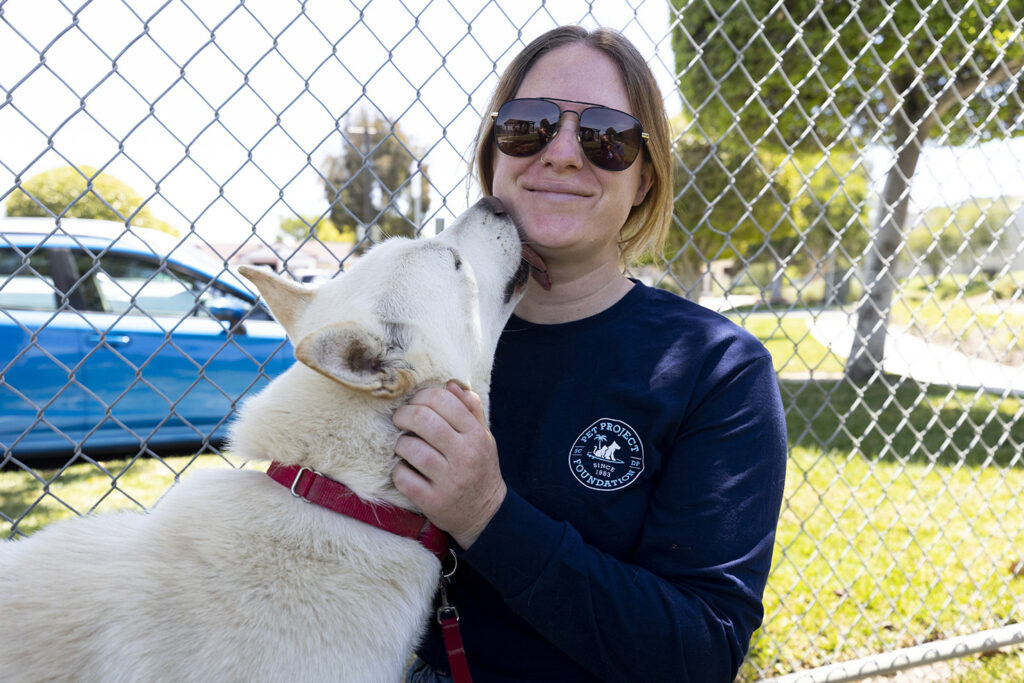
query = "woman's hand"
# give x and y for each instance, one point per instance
(449, 461)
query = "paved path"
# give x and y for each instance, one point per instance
(911, 356)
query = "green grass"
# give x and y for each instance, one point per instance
(902, 518)
(902, 528)
(794, 350)
(1005, 666)
(874, 555)
(899, 420)
(982, 324)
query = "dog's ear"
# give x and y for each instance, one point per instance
(286, 299)
(360, 359)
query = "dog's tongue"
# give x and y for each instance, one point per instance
(538, 270)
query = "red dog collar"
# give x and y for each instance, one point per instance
(314, 487)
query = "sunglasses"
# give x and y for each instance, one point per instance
(611, 139)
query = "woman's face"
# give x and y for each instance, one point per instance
(570, 210)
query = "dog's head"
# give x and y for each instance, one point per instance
(410, 312)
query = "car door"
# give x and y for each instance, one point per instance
(43, 403)
(160, 367)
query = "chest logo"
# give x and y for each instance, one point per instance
(607, 456)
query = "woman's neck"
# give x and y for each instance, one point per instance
(573, 296)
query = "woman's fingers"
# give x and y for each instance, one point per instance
(449, 460)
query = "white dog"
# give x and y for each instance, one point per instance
(231, 577)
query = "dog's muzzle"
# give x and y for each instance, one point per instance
(532, 264)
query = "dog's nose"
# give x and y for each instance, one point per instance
(493, 204)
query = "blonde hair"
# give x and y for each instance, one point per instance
(648, 223)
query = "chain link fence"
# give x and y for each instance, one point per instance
(849, 188)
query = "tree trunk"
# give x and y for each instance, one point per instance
(868, 350)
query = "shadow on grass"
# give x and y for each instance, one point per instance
(898, 419)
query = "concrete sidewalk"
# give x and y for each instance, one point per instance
(910, 356)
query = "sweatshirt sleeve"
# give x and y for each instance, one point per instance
(684, 604)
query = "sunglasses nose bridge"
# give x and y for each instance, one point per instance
(574, 137)
(559, 119)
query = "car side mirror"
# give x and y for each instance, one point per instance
(228, 310)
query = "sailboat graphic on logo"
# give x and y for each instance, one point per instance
(606, 453)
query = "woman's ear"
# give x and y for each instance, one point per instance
(645, 183)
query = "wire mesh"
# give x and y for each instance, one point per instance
(848, 187)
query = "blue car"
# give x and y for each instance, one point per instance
(117, 339)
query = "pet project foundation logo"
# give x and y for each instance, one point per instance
(607, 456)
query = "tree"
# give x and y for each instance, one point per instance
(737, 202)
(830, 212)
(369, 183)
(301, 227)
(82, 192)
(726, 199)
(811, 75)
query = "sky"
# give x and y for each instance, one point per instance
(222, 112)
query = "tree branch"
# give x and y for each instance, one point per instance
(1003, 71)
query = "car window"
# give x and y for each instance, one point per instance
(133, 285)
(26, 286)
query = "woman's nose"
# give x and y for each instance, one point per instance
(564, 149)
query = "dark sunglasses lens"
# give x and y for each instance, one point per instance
(611, 139)
(523, 127)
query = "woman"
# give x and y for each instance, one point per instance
(617, 520)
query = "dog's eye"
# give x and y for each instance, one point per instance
(458, 261)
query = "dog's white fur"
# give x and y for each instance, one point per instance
(230, 577)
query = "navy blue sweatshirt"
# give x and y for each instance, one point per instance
(644, 449)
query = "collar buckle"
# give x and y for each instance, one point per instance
(295, 483)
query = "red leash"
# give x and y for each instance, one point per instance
(448, 617)
(313, 487)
